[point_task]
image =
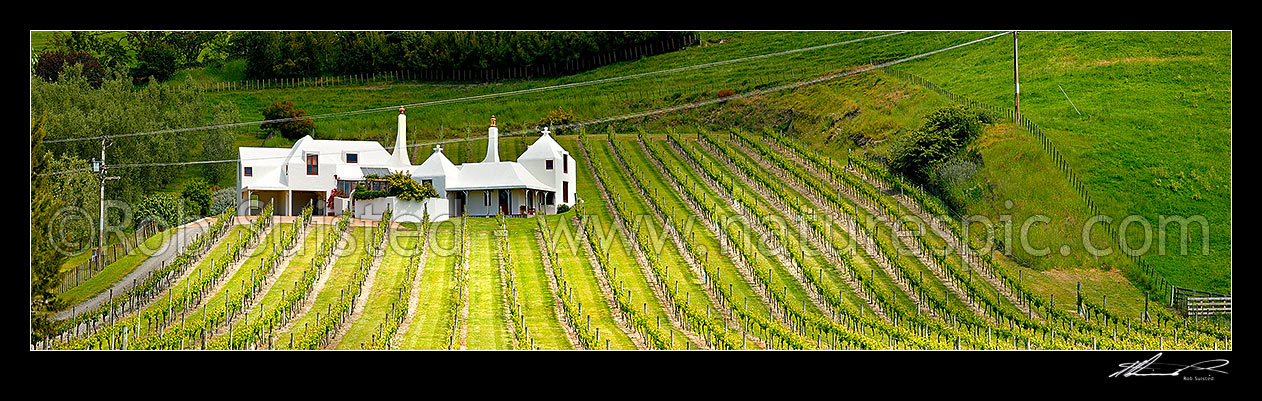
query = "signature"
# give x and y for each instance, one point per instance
(1150, 367)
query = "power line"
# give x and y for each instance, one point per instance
(613, 118)
(486, 96)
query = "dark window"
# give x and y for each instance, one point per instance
(249, 171)
(547, 164)
(352, 157)
(427, 182)
(313, 164)
(565, 163)
(565, 192)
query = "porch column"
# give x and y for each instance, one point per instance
(289, 202)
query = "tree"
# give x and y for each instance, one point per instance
(157, 60)
(108, 47)
(76, 110)
(78, 191)
(189, 45)
(163, 208)
(199, 195)
(46, 259)
(292, 129)
(49, 65)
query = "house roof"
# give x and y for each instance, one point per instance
(437, 165)
(544, 148)
(497, 175)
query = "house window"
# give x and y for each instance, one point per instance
(565, 192)
(352, 157)
(429, 183)
(565, 163)
(313, 164)
(249, 171)
(547, 164)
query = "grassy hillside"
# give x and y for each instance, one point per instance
(1153, 137)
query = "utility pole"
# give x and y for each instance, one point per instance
(1016, 75)
(100, 168)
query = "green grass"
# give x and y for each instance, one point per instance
(577, 269)
(533, 291)
(487, 328)
(431, 321)
(620, 184)
(112, 272)
(339, 275)
(232, 285)
(702, 236)
(390, 274)
(305, 251)
(1154, 137)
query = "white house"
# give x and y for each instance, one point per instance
(542, 178)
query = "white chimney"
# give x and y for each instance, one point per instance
(400, 154)
(492, 144)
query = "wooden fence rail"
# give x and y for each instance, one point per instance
(112, 253)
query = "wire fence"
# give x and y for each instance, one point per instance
(98, 261)
(665, 45)
(1152, 280)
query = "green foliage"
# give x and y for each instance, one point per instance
(563, 208)
(224, 199)
(78, 191)
(46, 260)
(944, 134)
(557, 116)
(157, 61)
(405, 188)
(109, 47)
(198, 193)
(164, 208)
(49, 64)
(289, 129)
(76, 110)
(308, 54)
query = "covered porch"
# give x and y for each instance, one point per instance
(512, 202)
(285, 202)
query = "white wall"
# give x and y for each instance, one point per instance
(402, 211)
(556, 176)
(412, 212)
(372, 209)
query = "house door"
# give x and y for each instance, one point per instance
(503, 201)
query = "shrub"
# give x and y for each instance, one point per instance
(293, 129)
(223, 199)
(945, 133)
(556, 117)
(726, 92)
(563, 208)
(362, 194)
(405, 188)
(163, 208)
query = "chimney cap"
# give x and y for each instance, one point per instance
(492, 120)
